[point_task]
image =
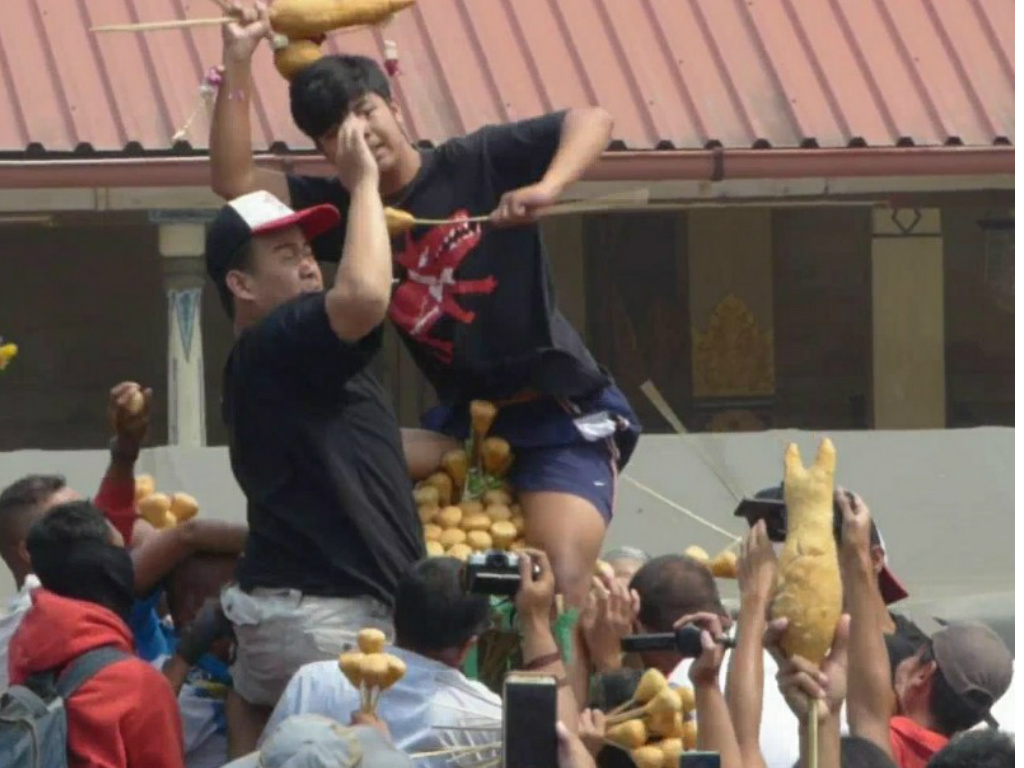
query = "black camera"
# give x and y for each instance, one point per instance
(494, 573)
(684, 640)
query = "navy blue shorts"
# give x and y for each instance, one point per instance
(587, 470)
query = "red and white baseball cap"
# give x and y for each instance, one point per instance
(254, 214)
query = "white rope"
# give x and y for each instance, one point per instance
(679, 508)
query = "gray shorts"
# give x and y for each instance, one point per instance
(280, 630)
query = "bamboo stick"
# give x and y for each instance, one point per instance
(462, 750)
(153, 26)
(812, 735)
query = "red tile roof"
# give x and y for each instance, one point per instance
(683, 74)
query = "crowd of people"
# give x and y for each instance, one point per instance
(206, 644)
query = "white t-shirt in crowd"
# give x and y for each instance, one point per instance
(203, 722)
(10, 621)
(780, 731)
(417, 708)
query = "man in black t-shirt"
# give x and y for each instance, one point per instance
(475, 303)
(314, 443)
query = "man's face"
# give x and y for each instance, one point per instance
(912, 681)
(282, 268)
(384, 134)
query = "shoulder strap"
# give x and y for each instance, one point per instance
(85, 666)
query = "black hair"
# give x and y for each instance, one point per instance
(433, 611)
(858, 752)
(985, 748)
(19, 501)
(951, 711)
(613, 688)
(322, 93)
(241, 259)
(67, 524)
(673, 586)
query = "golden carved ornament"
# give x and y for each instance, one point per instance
(733, 357)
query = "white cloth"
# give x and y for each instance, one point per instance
(431, 694)
(780, 731)
(203, 722)
(10, 621)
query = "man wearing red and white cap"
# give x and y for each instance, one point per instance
(314, 443)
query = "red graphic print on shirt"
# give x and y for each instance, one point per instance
(430, 289)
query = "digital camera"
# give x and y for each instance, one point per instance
(494, 573)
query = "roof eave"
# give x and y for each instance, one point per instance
(622, 165)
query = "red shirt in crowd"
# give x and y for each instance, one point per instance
(912, 744)
(126, 716)
(116, 497)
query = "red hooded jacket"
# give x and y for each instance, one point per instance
(126, 716)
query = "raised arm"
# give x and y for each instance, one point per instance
(358, 301)
(233, 169)
(715, 732)
(870, 701)
(129, 422)
(744, 688)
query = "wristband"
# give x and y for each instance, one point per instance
(542, 661)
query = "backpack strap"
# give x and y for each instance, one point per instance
(85, 666)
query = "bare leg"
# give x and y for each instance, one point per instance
(571, 531)
(245, 724)
(424, 449)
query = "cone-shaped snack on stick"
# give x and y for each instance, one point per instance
(145, 485)
(667, 701)
(498, 513)
(432, 532)
(628, 735)
(154, 508)
(648, 757)
(497, 456)
(300, 19)
(698, 554)
(452, 536)
(668, 725)
(184, 507)
(449, 517)
(690, 734)
(456, 464)
(293, 56)
(375, 673)
(651, 684)
(809, 591)
(444, 486)
(398, 221)
(498, 497)
(169, 520)
(482, 414)
(672, 750)
(427, 514)
(371, 640)
(460, 552)
(471, 507)
(434, 549)
(689, 699)
(351, 665)
(724, 565)
(136, 402)
(477, 522)
(503, 533)
(479, 541)
(426, 496)
(396, 671)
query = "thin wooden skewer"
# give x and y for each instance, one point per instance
(621, 708)
(495, 727)
(622, 717)
(467, 749)
(152, 26)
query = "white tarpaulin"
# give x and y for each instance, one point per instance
(942, 499)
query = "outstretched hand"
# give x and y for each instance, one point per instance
(522, 206)
(242, 36)
(803, 684)
(128, 413)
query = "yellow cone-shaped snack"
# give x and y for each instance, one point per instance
(479, 541)
(503, 533)
(154, 508)
(631, 734)
(396, 671)
(456, 464)
(144, 486)
(460, 552)
(648, 757)
(371, 640)
(434, 549)
(300, 19)
(449, 517)
(293, 56)
(724, 565)
(477, 522)
(426, 496)
(698, 554)
(651, 684)
(351, 665)
(375, 669)
(398, 221)
(497, 456)
(444, 486)
(497, 497)
(672, 750)
(690, 734)
(452, 536)
(184, 507)
(809, 591)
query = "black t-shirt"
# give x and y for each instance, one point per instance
(317, 450)
(476, 304)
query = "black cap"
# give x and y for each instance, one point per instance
(259, 213)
